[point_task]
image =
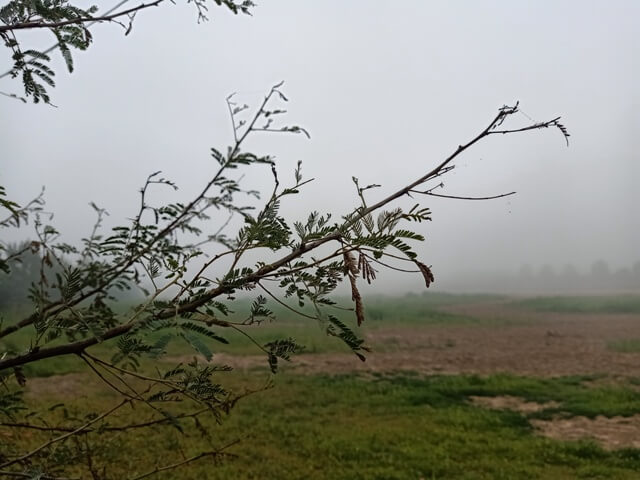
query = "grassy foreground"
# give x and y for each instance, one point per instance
(404, 428)
(400, 427)
(355, 427)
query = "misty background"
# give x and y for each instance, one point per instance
(386, 90)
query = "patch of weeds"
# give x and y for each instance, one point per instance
(572, 397)
(54, 366)
(592, 304)
(629, 345)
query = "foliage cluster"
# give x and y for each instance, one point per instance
(69, 25)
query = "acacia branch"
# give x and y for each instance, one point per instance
(304, 248)
(121, 267)
(39, 353)
(77, 21)
(536, 126)
(266, 270)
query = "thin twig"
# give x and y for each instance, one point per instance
(391, 267)
(458, 197)
(66, 435)
(212, 453)
(133, 426)
(297, 312)
(30, 475)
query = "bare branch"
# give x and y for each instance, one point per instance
(457, 197)
(30, 475)
(288, 307)
(213, 454)
(66, 435)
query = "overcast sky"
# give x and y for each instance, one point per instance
(386, 89)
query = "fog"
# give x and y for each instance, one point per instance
(386, 90)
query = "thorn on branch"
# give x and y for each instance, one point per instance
(562, 128)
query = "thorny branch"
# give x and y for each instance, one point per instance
(251, 278)
(184, 300)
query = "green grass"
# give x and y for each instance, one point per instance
(409, 427)
(591, 304)
(425, 309)
(630, 345)
(573, 397)
(402, 427)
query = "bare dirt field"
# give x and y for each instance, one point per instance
(510, 341)
(513, 341)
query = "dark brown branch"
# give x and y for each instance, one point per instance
(213, 453)
(288, 307)
(116, 270)
(90, 466)
(77, 21)
(436, 171)
(66, 435)
(254, 277)
(457, 197)
(150, 423)
(391, 267)
(536, 126)
(29, 475)
(41, 428)
(110, 384)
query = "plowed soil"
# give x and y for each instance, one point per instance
(505, 340)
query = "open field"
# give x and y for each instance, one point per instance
(592, 304)
(466, 387)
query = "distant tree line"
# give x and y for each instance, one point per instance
(26, 271)
(548, 279)
(29, 270)
(599, 277)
